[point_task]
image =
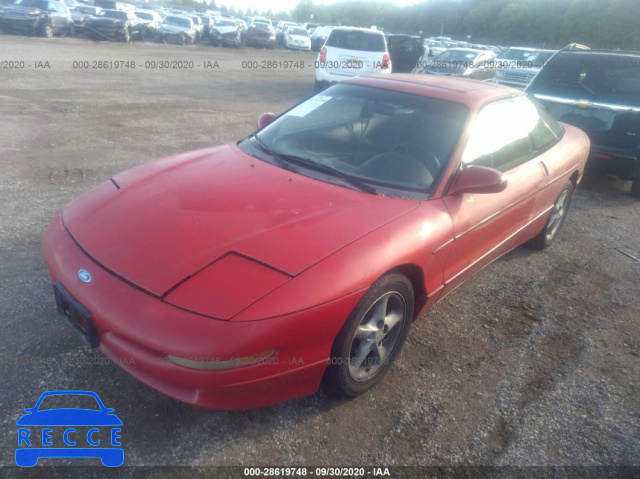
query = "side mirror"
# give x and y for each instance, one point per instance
(478, 179)
(265, 119)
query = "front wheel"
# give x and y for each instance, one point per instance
(46, 30)
(556, 218)
(125, 35)
(372, 337)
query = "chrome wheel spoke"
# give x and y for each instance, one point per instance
(391, 320)
(363, 351)
(366, 332)
(383, 353)
(380, 308)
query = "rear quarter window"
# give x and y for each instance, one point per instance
(357, 40)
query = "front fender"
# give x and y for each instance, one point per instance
(421, 238)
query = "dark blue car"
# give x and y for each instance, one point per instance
(61, 423)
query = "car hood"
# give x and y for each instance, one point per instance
(174, 28)
(224, 30)
(21, 10)
(161, 223)
(105, 21)
(80, 16)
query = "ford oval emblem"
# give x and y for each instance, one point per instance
(84, 276)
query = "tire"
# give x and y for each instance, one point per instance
(317, 85)
(371, 338)
(556, 219)
(635, 187)
(125, 36)
(46, 30)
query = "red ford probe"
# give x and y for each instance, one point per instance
(243, 275)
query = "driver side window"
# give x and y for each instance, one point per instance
(500, 135)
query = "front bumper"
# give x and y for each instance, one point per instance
(102, 31)
(137, 330)
(261, 41)
(173, 37)
(611, 160)
(305, 47)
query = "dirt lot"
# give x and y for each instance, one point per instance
(534, 361)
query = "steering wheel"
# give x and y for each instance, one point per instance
(425, 157)
(397, 167)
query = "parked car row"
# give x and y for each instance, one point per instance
(111, 20)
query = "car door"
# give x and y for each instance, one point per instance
(59, 16)
(487, 225)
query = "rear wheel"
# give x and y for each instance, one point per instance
(556, 219)
(372, 337)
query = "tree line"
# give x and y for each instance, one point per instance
(537, 23)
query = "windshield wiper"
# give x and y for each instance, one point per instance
(581, 85)
(277, 158)
(362, 186)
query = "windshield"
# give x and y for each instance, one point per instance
(113, 14)
(298, 31)
(41, 4)
(180, 22)
(538, 59)
(69, 400)
(357, 40)
(145, 16)
(87, 10)
(456, 56)
(379, 137)
(615, 76)
(262, 26)
(513, 54)
(225, 23)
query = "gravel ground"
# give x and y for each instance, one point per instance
(532, 362)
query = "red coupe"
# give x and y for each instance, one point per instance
(245, 274)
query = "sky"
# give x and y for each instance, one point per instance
(287, 5)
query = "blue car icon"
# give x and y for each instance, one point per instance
(84, 432)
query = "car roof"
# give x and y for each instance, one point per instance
(358, 29)
(469, 50)
(473, 93)
(601, 52)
